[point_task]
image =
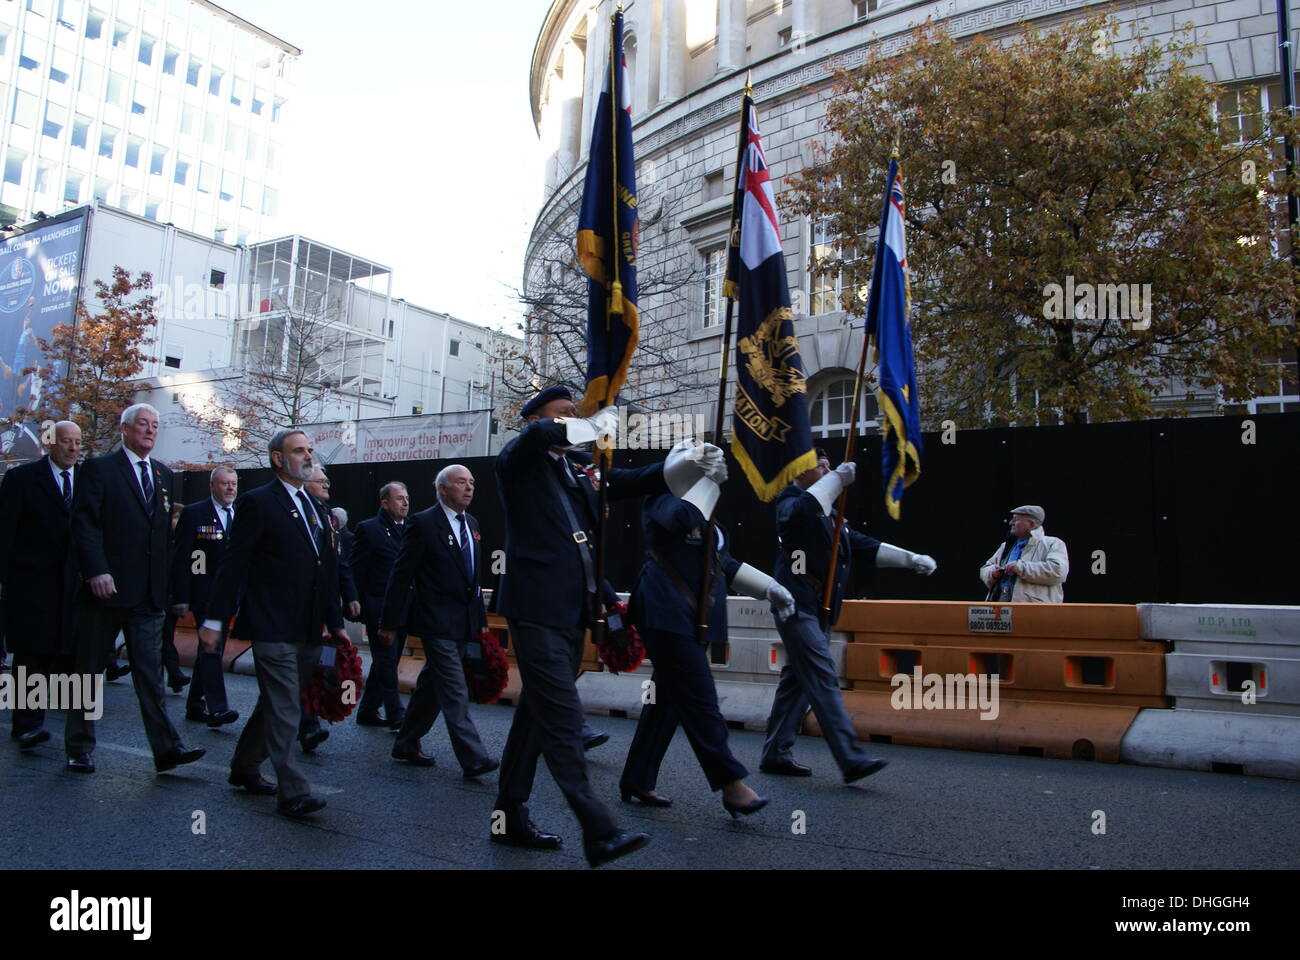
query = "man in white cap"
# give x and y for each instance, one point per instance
(1030, 566)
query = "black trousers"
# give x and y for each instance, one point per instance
(548, 722)
(170, 658)
(208, 689)
(381, 683)
(97, 627)
(683, 694)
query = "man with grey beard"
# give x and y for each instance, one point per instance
(282, 573)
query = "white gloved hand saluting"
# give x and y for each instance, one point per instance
(829, 487)
(604, 423)
(690, 460)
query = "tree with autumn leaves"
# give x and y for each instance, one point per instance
(87, 367)
(1040, 163)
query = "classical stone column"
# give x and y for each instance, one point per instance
(672, 50)
(731, 34)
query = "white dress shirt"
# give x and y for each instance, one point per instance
(135, 468)
(58, 475)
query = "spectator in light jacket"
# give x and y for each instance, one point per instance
(1030, 566)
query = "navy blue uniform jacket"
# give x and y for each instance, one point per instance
(544, 581)
(674, 530)
(801, 524)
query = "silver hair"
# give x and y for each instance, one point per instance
(388, 488)
(440, 480)
(339, 514)
(129, 413)
(222, 469)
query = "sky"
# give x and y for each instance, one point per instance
(410, 141)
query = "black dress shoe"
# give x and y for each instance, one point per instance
(593, 741)
(179, 683)
(738, 810)
(222, 718)
(786, 768)
(314, 740)
(647, 798)
(30, 739)
(300, 807)
(81, 763)
(370, 721)
(253, 783)
(480, 771)
(115, 671)
(198, 716)
(528, 837)
(611, 848)
(865, 769)
(416, 758)
(174, 757)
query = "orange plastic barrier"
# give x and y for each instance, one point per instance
(1072, 677)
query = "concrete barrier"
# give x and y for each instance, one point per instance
(1234, 677)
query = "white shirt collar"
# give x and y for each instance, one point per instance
(294, 491)
(58, 472)
(451, 518)
(134, 458)
(221, 511)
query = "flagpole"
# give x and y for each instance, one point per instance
(702, 605)
(604, 455)
(828, 589)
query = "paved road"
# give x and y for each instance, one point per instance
(930, 809)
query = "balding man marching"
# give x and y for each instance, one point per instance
(38, 569)
(433, 594)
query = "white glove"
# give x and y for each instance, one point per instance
(889, 555)
(829, 487)
(757, 584)
(688, 462)
(782, 599)
(718, 474)
(704, 494)
(578, 430)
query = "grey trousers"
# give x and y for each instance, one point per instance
(283, 669)
(440, 688)
(809, 678)
(96, 630)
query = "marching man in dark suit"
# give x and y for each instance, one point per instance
(434, 594)
(374, 550)
(281, 571)
(805, 522)
(202, 539)
(38, 568)
(548, 595)
(121, 525)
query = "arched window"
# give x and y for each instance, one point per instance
(830, 406)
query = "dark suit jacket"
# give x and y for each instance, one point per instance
(114, 534)
(38, 567)
(199, 530)
(674, 531)
(374, 551)
(544, 580)
(801, 524)
(428, 592)
(284, 591)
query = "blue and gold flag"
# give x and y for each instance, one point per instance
(607, 236)
(770, 438)
(891, 337)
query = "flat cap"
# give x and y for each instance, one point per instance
(1034, 513)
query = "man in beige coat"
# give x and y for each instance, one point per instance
(1030, 566)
